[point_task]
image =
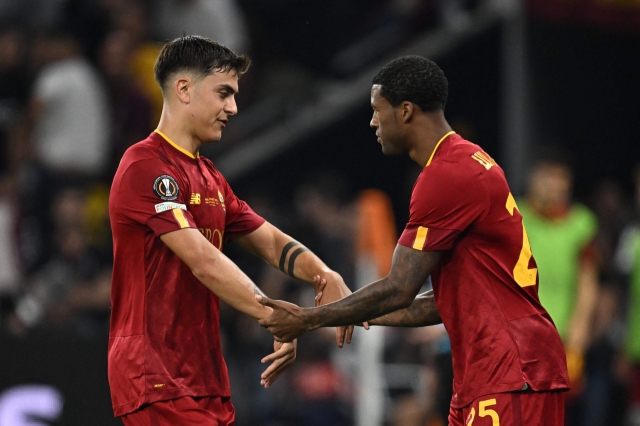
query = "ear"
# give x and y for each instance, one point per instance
(183, 89)
(407, 110)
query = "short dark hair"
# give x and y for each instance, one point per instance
(198, 55)
(414, 79)
(554, 155)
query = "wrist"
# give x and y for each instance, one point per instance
(265, 312)
(311, 319)
(323, 272)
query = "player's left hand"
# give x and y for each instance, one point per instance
(285, 322)
(330, 293)
(284, 354)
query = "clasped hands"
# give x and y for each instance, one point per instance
(287, 322)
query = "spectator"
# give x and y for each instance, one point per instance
(561, 234)
(72, 291)
(132, 17)
(131, 110)
(628, 260)
(67, 111)
(14, 88)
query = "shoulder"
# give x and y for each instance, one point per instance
(459, 168)
(146, 158)
(144, 150)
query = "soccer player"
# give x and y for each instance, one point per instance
(170, 211)
(465, 231)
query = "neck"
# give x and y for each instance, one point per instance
(178, 131)
(429, 131)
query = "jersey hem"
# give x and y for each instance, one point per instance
(150, 398)
(539, 386)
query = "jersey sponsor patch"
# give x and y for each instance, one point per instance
(166, 188)
(162, 207)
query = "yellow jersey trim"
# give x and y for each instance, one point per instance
(421, 237)
(176, 146)
(182, 220)
(437, 145)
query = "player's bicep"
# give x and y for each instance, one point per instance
(410, 268)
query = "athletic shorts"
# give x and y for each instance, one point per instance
(184, 411)
(525, 408)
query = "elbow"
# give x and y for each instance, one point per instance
(403, 301)
(204, 272)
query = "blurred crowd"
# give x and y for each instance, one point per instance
(77, 89)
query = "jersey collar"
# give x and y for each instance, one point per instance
(437, 145)
(176, 146)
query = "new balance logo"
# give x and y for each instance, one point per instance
(195, 198)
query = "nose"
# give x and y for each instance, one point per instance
(374, 121)
(230, 106)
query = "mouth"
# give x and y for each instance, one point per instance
(379, 139)
(223, 123)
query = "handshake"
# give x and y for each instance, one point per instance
(288, 321)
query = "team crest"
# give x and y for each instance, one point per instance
(166, 188)
(221, 199)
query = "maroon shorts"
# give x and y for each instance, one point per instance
(187, 411)
(526, 408)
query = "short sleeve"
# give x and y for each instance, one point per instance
(444, 203)
(152, 193)
(240, 219)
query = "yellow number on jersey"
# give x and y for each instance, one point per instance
(521, 273)
(484, 411)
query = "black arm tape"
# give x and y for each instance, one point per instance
(285, 250)
(293, 257)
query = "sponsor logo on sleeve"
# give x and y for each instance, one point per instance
(162, 207)
(166, 188)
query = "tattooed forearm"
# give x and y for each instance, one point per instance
(409, 270)
(256, 290)
(422, 312)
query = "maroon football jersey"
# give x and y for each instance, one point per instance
(486, 283)
(164, 340)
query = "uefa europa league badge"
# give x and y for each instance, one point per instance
(166, 188)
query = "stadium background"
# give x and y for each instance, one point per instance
(524, 76)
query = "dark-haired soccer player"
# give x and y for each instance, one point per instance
(171, 210)
(465, 231)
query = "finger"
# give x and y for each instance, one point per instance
(349, 334)
(268, 377)
(365, 325)
(340, 335)
(264, 301)
(272, 373)
(283, 351)
(270, 369)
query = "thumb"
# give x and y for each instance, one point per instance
(265, 301)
